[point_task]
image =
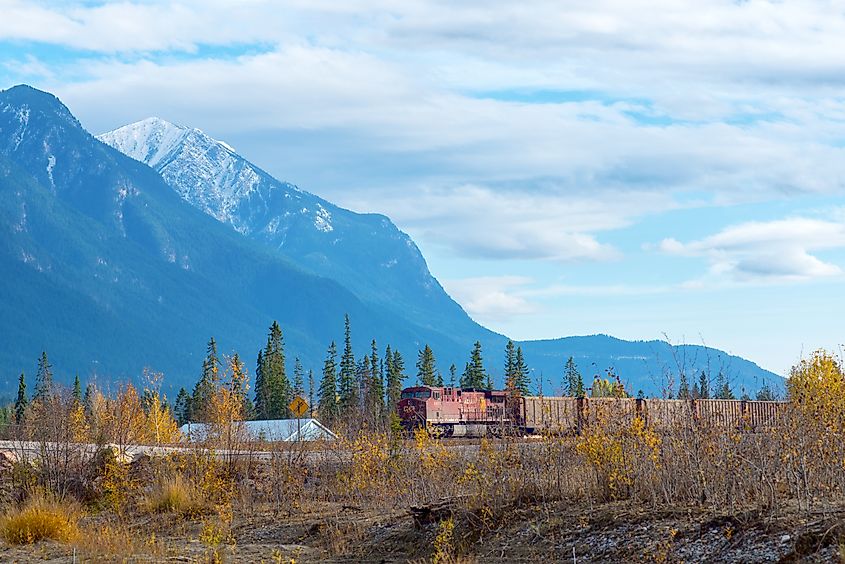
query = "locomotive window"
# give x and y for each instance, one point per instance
(424, 395)
(406, 395)
(437, 395)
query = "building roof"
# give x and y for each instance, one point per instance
(271, 430)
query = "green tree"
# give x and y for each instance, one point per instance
(395, 375)
(262, 390)
(520, 380)
(207, 385)
(182, 407)
(474, 375)
(452, 375)
(310, 390)
(510, 367)
(239, 387)
(683, 389)
(347, 384)
(573, 379)
(723, 388)
(426, 367)
(375, 389)
(21, 402)
(77, 391)
(703, 386)
(766, 393)
(43, 379)
(298, 379)
(328, 407)
(280, 391)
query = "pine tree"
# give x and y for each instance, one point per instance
(438, 380)
(328, 407)
(520, 374)
(298, 379)
(723, 389)
(683, 389)
(510, 368)
(347, 387)
(21, 402)
(77, 391)
(43, 379)
(426, 367)
(278, 385)
(452, 373)
(703, 386)
(375, 391)
(262, 389)
(207, 384)
(88, 400)
(573, 379)
(310, 391)
(474, 374)
(696, 391)
(182, 407)
(395, 376)
(766, 393)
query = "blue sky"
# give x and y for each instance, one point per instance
(635, 168)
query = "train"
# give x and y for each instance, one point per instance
(470, 412)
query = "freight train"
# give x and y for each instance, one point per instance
(468, 412)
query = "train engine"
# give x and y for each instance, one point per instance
(456, 412)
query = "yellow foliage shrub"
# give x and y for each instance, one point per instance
(40, 518)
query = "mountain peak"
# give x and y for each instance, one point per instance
(26, 101)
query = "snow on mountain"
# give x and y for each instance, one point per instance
(365, 252)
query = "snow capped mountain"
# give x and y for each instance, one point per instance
(365, 252)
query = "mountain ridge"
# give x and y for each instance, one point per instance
(127, 266)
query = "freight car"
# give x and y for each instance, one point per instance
(466, 412)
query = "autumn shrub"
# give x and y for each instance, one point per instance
(40, 517)
(174, 494)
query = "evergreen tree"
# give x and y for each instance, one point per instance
(766, 393)
(573, 379)
(474, 374)
(328, 407)
(375, 391)
(438, 380)
(88, 400)
(77, 391)
(425, 367)
(395, 376)
(696, 391)
(182, 407)
(278, 385)
(207, 384)
(703, 386)
(520, 380)
(310, 391)
(298, 379)
(452, 373)
(510, 367)
(43, 379)
(723, 389)
(262, 389)
(347, 385)
(683, 389)
(21, 401)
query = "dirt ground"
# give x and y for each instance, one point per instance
(559, 533)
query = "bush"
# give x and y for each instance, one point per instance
(176, 495)
(40, 518)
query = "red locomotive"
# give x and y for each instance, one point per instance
(457, 412)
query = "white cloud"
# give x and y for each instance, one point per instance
(491, 298)
(767, 251)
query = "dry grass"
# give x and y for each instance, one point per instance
(177, 495)
(40, 518)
